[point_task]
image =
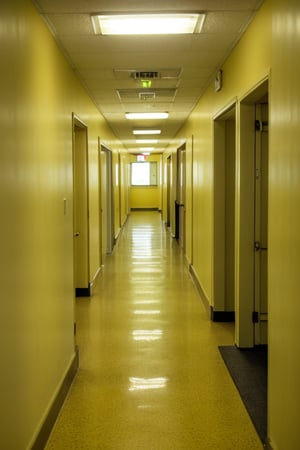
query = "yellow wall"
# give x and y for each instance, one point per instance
(248, 63)
(270, 46)
(39, 92)
(284, 226)
(147, 197)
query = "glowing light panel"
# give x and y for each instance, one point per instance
(137, 24)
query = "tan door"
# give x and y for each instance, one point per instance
(180, 201)
(252, 219)
(80, 209)
(168, 191)
(224, 215)
(261, 225)
(107, 208)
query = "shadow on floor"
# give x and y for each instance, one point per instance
(248, 369)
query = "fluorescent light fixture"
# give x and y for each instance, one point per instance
(146, 149)
(146, 132)
(146, 141)
(156, 23)
(147, 116)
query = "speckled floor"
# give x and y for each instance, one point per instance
(151, 376)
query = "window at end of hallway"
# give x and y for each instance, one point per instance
(144, 173)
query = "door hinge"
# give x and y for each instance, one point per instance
(261, 125)
(254, 317)
(258, 125)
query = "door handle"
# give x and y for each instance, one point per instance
(76, 234)
(258, 247)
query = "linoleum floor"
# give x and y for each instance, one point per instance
(151, 376)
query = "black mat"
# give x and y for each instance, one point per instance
(248, 369)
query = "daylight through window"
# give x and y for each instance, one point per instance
(144, 173)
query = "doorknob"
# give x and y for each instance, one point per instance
(258, 247)
(76, 234)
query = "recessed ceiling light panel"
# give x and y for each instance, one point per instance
(146, 141)
(143, 132)
(147, 116)
(137, 24)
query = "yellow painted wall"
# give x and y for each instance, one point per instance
(271, 45)
(284, 226)
(248, 63)
(38, 92)
(149, 196)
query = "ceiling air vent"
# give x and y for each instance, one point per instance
(146, 96)
(145, 75)
(158, 95)
(140, 74)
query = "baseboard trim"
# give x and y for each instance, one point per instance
(199, 288)
(268, 445)
(144, 209)
(46, 428)
(83, 292)
(94, 281)
(221, 316)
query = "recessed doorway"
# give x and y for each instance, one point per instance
(80, 208)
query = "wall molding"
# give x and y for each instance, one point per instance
(83, 292)
(94, 281)
(221, 316)
(199, 288)
(144, 209)
(46, 428)
(268, 445)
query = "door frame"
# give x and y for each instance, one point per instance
(261, 222)
(245, 215)
(81, 252)
(168, 193)
(107, 202)
(180, 205)
(224, 168)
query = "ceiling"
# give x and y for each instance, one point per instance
(109, 66)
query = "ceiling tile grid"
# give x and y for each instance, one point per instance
(107, 65)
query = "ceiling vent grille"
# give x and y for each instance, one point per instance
(146, 96)
(158, 95)
(139, 74)
(144, 75)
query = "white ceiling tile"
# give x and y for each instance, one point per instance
(105, 64)
(72, 24)
(224, 21)
(54, 6)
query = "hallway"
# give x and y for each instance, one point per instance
(150, 376)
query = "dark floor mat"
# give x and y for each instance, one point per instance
(248, 369)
